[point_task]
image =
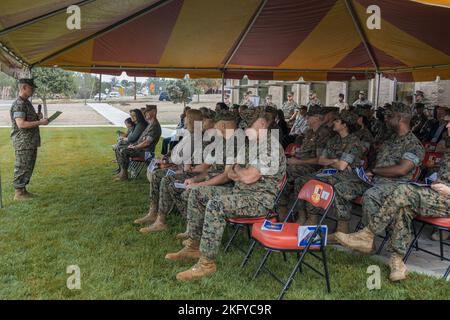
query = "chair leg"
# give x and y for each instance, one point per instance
(262, 263)
(236, 230)
(284, 257)
(383, 243)
(447, 273)
(291, 278)
(441, 244)
(248, 254)
(325, 267)
(414, 243)
(249, 232)
(358, 226)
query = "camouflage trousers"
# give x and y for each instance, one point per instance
(345, 193)
(399, 209)
(23, 167)
(293, 172)
(170, 197)
(208, 207)
(123, 154)
(155, 178)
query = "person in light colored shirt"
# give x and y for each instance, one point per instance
(341, 104)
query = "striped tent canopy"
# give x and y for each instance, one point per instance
(315, 40)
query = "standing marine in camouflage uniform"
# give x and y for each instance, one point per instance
(306, 160)
(397, 213)
(25, 137)
(268, 102)
(253, 194)
(290, 108)
(146, 143)
(396, 162)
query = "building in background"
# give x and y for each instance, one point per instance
(436, 92)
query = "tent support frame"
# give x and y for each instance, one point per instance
(362, 35)
(110, 28)
(40, 18)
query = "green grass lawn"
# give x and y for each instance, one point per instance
(83, 218)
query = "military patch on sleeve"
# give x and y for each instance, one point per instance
(19, 114)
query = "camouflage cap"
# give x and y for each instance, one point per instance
(315, 110)
(398, 107)
(349, 117)
(28, 81)
(224, 116)
(250, 115)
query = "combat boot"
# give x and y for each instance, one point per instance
(202, 268)
(122, 176)
(301, 217)
(362, 241)
(183, 236)
(158, 225)
(151, 215)
(435, 235)
(312, 220)
(190, 251)
(343, 226)
(399, 271)
(31, 195)
(20, 195)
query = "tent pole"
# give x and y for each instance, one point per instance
(100, 89)
(110, 28)
(360, 30)
(135, 88)
(377, 98)
(223, 86)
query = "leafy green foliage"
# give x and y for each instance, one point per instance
(52, 82)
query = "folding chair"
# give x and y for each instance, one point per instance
(290, 150)
(239, 223)
(320, 195)
(441, 224)
(138, 163)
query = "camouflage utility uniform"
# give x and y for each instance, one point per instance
(289, 108)
(25, 142)
(405, 203)
(208, 207)
(398, 148)
(348, 149)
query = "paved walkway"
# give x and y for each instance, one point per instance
(117, 117)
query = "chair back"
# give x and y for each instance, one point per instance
(319, 194)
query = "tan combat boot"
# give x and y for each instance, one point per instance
(343, 227)
(435, 235)
(362, 241)
(183, 236)
(31, 195)
(190, 251)
(20, 195)
(399, 271)
(202, 268)
(122, 176)
(312, 220)
(158, 225)
(301, 217)
(151, 215)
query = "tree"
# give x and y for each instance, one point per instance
(52, 81)
(85, 84)
(8, 86)
(180, 90)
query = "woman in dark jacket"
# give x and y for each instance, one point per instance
(139, 126)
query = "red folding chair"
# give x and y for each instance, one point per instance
(441, 224)
(320, 195)
(239, 223)
(136, 165)
(432, 160)
(290, 150)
